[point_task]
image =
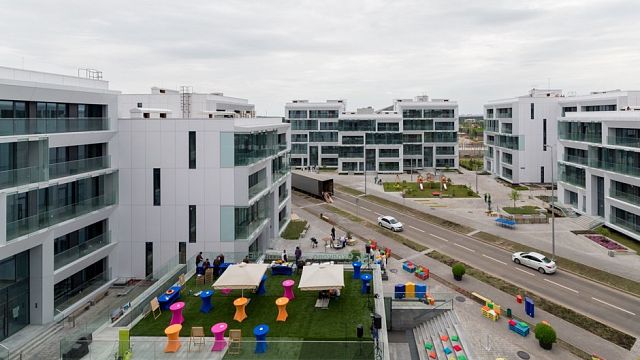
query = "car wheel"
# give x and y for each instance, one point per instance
(380, 224)
(517, 261)
(541, 270)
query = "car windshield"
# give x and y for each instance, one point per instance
(393, 221)
(546, 260)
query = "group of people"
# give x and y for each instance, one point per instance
(298, 253)
(207, 264)
(342, 241)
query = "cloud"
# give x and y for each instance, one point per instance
(367, 51)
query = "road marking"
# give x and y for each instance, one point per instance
(359, 206)
(562, 286)
(377, 213)
(494, 259)
(441, 238)
(464, 247)
(473, 232)
(613, 306)
(524, 271)
(415, 228)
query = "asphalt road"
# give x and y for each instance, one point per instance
(607, 305)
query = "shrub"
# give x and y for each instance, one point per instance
(604, 231)
(545, 334)
(458, 270)
(355, 255)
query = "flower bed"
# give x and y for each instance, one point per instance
(605, 242)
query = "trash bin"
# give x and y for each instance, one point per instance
(509, 313)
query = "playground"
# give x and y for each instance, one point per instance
(429, 187)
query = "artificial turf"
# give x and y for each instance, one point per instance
(305, 322)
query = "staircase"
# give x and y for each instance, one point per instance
(588, 222)
(432, 332)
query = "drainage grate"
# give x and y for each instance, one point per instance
(523, 355)
(394, 271)
(461, 298)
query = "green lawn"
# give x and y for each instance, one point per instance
(522, 210)
(519, 187)
(293, 230)
(473, 164)
(305, 322)
(413, 191)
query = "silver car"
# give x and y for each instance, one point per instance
(390, 223)
(536, 261)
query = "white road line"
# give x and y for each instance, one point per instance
(464, 247)
(473, 232)
(613, 306)
(562, 286)
(415, 228)
(524, 271)
(494, 259)
(377, 213)
(349, 202)
(441, 238)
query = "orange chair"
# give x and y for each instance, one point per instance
(282, 308)
(173, 338)
(240, 304)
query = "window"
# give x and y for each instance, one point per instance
(388, 127)
(544, 134)
(148, 258)
(156, 187)
(411, 138)
(192, 223)
(351, 140)
(389, 153)
(333, 125)
(542, 174)
(323, 114)
(489, 113)
(505, 113)
(139, 105)
(297, 114)
(323, 136)
(145, 115)
(182, 252)
(566, 109)
(412, 113)
(298, 138)
(192, 149)
(532, 110)
(326, 150)
(163, 115)
(389, 166)
(599, 108)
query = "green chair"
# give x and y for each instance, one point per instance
(124, 344)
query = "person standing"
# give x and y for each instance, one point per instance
(206, 264)
(284, 256)
(298, 254)
(199, 259)
(216, 266)
(221, 258)
(333, 233)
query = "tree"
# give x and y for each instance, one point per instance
(458, 270)
(515, 196)
(545, 334)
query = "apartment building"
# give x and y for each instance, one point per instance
(517, 134)
(58, 193)
(410, 134)
(198, 172)
(599, 157)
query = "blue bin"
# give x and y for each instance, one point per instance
(421, 291)
(399, 291)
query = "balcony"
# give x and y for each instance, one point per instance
(624, 141)
(85, 248)
(282, 195)
(624, 169)
(68, 168)
(626, 224)
(577, 136)
(488, 153)
(26, 175)
(26, 126)
(631, 198)
(257, 188)
(49, 218)
(574, 176)
(576, 159)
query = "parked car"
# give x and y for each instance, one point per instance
(536, 261)
(390, 223)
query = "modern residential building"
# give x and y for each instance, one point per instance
(599, 157)
(517, 132)
(58, 193)
(410, 134)
(198, 172)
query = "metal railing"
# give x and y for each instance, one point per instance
(582, 160)
(69, 168)
(616, 167)
(21, 176)
(624, 196)
(26, 126)
(81, 250)
(624, 141)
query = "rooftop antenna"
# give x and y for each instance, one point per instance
(185, 101)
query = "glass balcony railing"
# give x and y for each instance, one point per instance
(626, 224)
(48, 218)
(17, 177)
(573, 179)
(625, 169)
(257, 188)
(283, 195)
(68, 168)
(577, 136)
(576, 159)
(66, 299)
(625, 196)
(243, 232)
(488, 153)
(83, 249)
(624, 141)
(25, 126)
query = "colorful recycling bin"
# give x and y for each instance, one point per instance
(421, 291)
(399, 291)
(410, 290)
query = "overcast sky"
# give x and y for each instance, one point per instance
(367, 52)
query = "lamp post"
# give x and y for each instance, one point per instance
(553, 212)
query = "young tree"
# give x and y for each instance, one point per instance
(515, 196)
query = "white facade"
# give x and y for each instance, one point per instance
(599, 157)
(517, 132)
(58, 182)
(411, 134)
(205, 179)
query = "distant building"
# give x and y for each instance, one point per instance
(516, 133)
(599, 157)
(410, 134)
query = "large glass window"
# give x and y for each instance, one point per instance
(445, 150)
(248, 219)
(193, 220)
(304, 124)
(156, 187)
(250, 148)
(422, 124)
(444, 125)
(389, 166)
(412, 113)
(625, 219)
(428, 156)
(412, 138)
(297, 114)
(299, 149)
(79, 243)
(384, 138)
(352, 140)
(349, 166)
(625, 137)
(412, 149)
(620, 161)
(323, 114)
(22, 162)
(71, 289)
(192, 149)
(357, 125)
(438, 113)
(351, 151)
(445, 163)
(504, 113)
(257, 182)
(580, 131)
(572, 175)
(14, 294)
(388, 126)
(328, 125)
(389, 153)
(589, 108)
(71, 160)
(329, 162)
(297, 138)
(323, 136)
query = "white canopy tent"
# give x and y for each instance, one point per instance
(241, 276)
(318, 277)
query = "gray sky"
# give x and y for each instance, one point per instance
(367, 52)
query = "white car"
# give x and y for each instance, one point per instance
(536, 261)
(390, 223)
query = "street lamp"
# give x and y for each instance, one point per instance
(553, 212)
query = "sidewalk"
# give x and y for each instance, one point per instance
(570, 333)
(471, 212)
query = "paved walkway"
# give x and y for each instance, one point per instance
(471, 212)
(566, 331)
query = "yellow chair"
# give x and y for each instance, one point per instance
(197, 337)
(155, 308)
(235, 337)
(173, 338)
(240, 304)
